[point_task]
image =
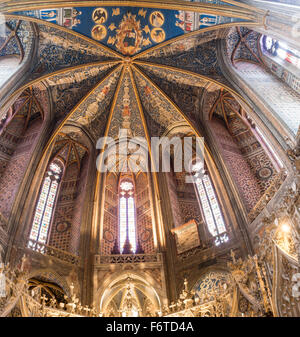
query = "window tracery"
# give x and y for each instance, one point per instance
(281, 50)
(210, 206)
(45, 204)
(127, 225)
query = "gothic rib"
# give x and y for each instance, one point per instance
(58, 72)
(137, 96)
(191, 73)
(60, 126)
(116, 93)
(156, 188)
(195, 33)
(66, 30)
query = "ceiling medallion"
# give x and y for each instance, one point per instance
(100, 15)
(99, 32)
(129, 35)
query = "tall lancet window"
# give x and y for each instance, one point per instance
(45, 205)
(127, 224)
(210, 205)
(281, 50)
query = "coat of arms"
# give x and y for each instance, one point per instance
(129, 36)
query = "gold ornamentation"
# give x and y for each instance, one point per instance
(158, 35)
(99, 32)
(100, 15)
(129, 35)
(156, 19)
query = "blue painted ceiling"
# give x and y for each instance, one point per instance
(129, 30)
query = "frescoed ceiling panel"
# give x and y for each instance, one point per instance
(174, 75)
(15, 38)
(130, 30)
(59, 49)
(178, 45)
(70, 87)
(160, 113)
(182, 89)
(197, 54)
(92, 113)
(243, 45)
(126, 114)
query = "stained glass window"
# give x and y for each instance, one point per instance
(44, 208)
(210, 205)
(282, 50)
(127, 215)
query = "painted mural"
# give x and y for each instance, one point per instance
(125, 29)
(159, 112)
(126, 112)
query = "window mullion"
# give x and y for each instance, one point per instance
(42, 217)
(209, 203)
(44, 207)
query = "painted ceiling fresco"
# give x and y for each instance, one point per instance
(129, 30)
(111, 68)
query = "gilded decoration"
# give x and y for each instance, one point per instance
(86, 72)
(130, 30)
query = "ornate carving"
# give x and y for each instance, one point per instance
(268, 195)
(54, 252)
(126, 258)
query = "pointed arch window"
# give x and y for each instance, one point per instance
(210, 205)
(45, 205)
(127, 223)
(281, 50)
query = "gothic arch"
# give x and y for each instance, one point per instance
(21, 38)
(52, 276)
(145, 279)
(257, 71)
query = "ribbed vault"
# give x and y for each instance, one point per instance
(100, 90)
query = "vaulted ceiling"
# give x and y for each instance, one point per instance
(136, 68)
